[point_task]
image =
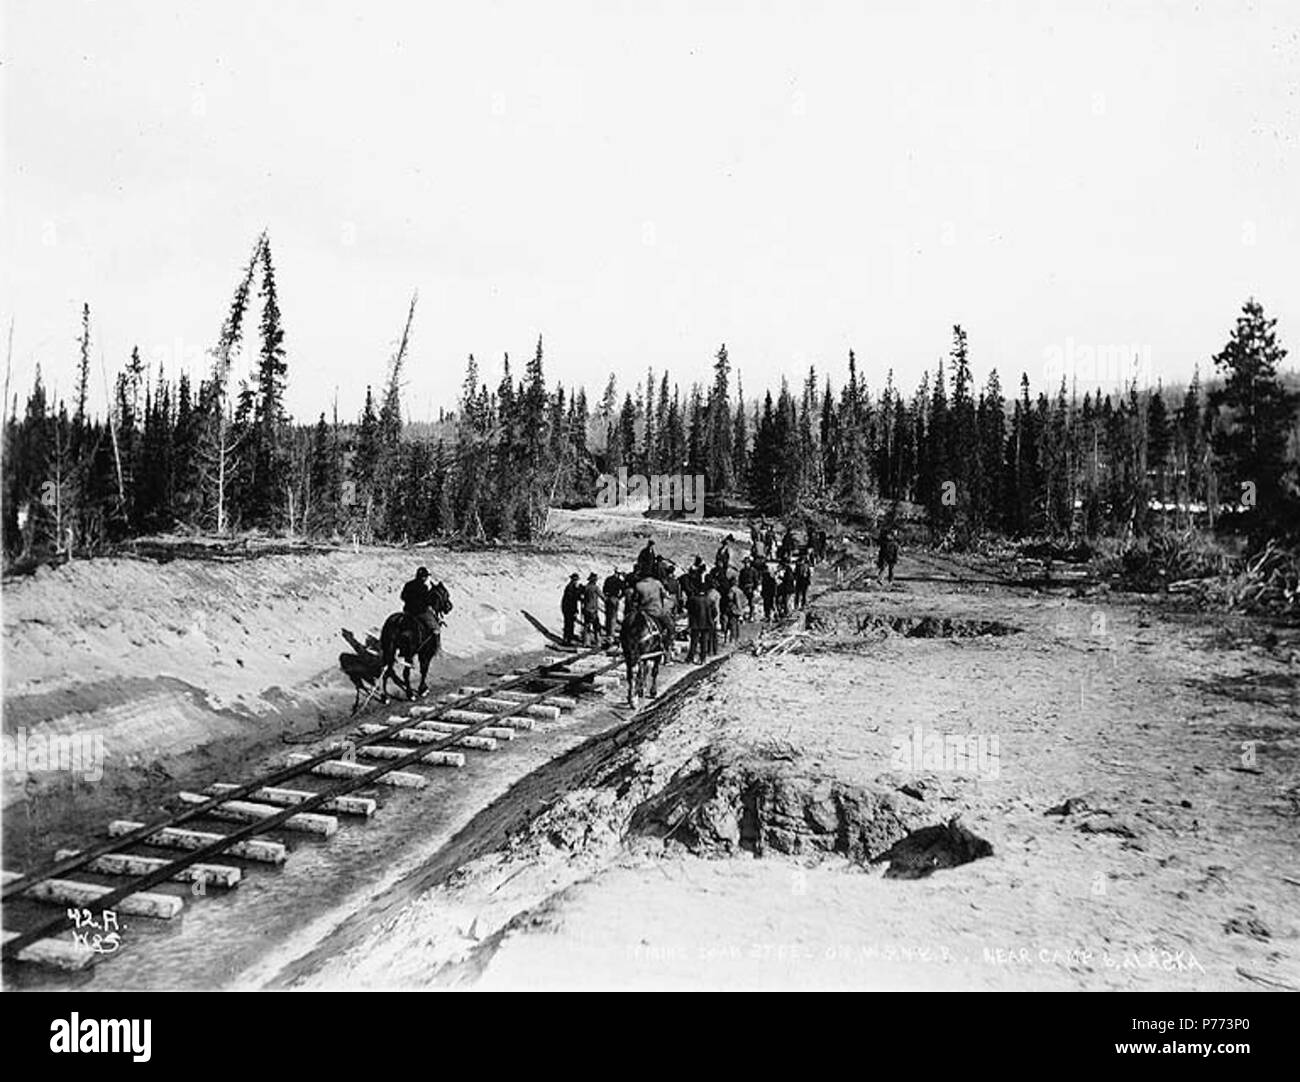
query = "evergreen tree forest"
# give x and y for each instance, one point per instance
(214, 455)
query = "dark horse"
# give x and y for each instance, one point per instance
(405, 636)
(641, 637)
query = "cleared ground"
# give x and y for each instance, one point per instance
(725, 838)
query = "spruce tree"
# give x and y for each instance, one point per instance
(1256, 415)
(718, 466)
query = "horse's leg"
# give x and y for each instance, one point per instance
(631, 686)
(654, 679)
(426, 656)
(405, 679)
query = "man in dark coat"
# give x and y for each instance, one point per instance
(887, 554)
(614, 585)
(647, 561)
(570, 603)
(695, 577)
(748, 581)
(784, 589)
(697, 620)
(592, 600)
(722, 558)
(802, 580)
(418, 604)
(768, 582)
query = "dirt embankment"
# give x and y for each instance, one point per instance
(729, 838)
(173, 670)
(166, 674)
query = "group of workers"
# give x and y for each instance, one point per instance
(714, 599)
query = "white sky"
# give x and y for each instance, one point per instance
(640, 183)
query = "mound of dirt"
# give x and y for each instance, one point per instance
(729, 798)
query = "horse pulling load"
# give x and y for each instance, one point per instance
(413, 634)
(407, 635)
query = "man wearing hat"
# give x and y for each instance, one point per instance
(748, 581)
(645, 562)
(417, 603)
(570, 601)
(653, 600)
(592, 599)
(722, 558)
(614, 586)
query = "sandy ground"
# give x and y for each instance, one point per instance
(724, 838)
(182, 673)
(1173, 875)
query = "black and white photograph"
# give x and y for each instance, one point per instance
(651, 497)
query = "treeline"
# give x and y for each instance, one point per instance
(221, 458)
(1057, 465)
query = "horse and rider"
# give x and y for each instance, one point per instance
(414, 633)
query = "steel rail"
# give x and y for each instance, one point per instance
(345, 786)
(285, 773)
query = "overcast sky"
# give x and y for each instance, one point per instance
(640, 183)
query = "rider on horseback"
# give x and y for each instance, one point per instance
(418, 602)
(653, 600)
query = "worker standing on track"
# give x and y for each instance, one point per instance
(768, 581)
(749, 579)
(570, 602)
(802, 580)
(697, 620)
(613, 591)
(733, 605)
(592, 600)
(713, 597)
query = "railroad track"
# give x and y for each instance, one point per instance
(438, 735)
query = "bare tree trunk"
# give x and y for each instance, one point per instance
(112, 428)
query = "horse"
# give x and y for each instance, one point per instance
(641, 638)
(402, 634)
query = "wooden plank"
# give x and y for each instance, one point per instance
(429, 732)
(255, 849)
(434, 713)
(84, 895)
(467, 717)
(448, 728)
(57, 953)
(243, 811)
(433, 758)
(287, 798)
(343, 768)
(216, 875)
(546, 711)
(564, 702)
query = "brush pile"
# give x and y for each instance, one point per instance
(1167, 559)
(1268, 583)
